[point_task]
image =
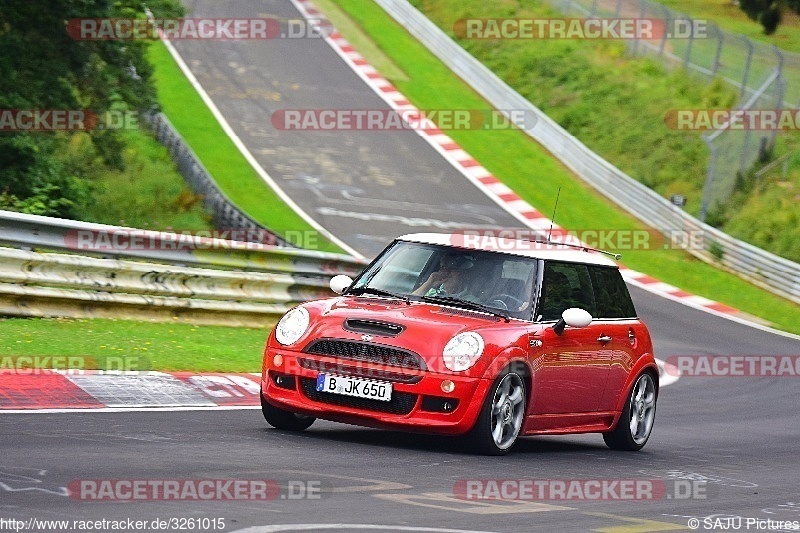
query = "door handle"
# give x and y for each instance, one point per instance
(603, 339)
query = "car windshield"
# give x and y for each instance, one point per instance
(500, 283)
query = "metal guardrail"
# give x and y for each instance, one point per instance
(37, 284)
(100, 240)
(765, 269)
(144, 275)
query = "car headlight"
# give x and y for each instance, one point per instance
(463, 351)
(292, 326)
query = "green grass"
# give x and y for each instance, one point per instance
(360, 40)
(729, 17)
(733, 20)
(109, 344)
(231, 171)
(528, 169)
(149, 193)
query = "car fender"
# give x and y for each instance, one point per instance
(512, 357)
(645, 362)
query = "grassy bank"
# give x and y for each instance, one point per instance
(149, 193)
(108, 344)
(729, 17)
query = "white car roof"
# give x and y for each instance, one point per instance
(521, 248)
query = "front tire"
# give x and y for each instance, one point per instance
(636, 423)
(501, 417)
(283, 419)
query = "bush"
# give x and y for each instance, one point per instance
(770, 19)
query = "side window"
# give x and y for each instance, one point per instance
(565, 285)
(613, 298)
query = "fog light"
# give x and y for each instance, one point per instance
(448, 386)
(447, 407)
(277, 360)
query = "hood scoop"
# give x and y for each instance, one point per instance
(373, 327)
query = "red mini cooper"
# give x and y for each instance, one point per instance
(466, 335)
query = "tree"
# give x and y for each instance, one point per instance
(768, 13)
(770, 18)
(43, 68)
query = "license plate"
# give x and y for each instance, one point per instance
(360, 388)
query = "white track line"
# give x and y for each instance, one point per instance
(249, 156)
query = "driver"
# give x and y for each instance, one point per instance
(451, 279)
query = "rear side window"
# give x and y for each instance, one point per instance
(611, 293)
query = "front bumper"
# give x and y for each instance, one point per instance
(418, 402)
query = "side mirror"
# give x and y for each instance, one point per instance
(574, 317)
(340, 283)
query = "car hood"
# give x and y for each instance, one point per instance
(425, 328)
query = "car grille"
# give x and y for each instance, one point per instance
(366, 351)
(401, 403)
(362, 371)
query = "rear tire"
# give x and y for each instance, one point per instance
(283, 419)
(636, 422)
(501, 417)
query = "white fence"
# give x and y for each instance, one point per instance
(207, 281)
(767, 270)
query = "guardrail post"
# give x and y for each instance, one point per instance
(667, 25)
(688, 57)
(747, 61)
(718, 54)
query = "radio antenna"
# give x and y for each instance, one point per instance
(553, 218)
(578, 246)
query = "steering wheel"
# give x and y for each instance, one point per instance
(503, 301)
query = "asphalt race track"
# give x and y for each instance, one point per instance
(734, 441)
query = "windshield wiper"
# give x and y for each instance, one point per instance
(466, 304)
(379, 292)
